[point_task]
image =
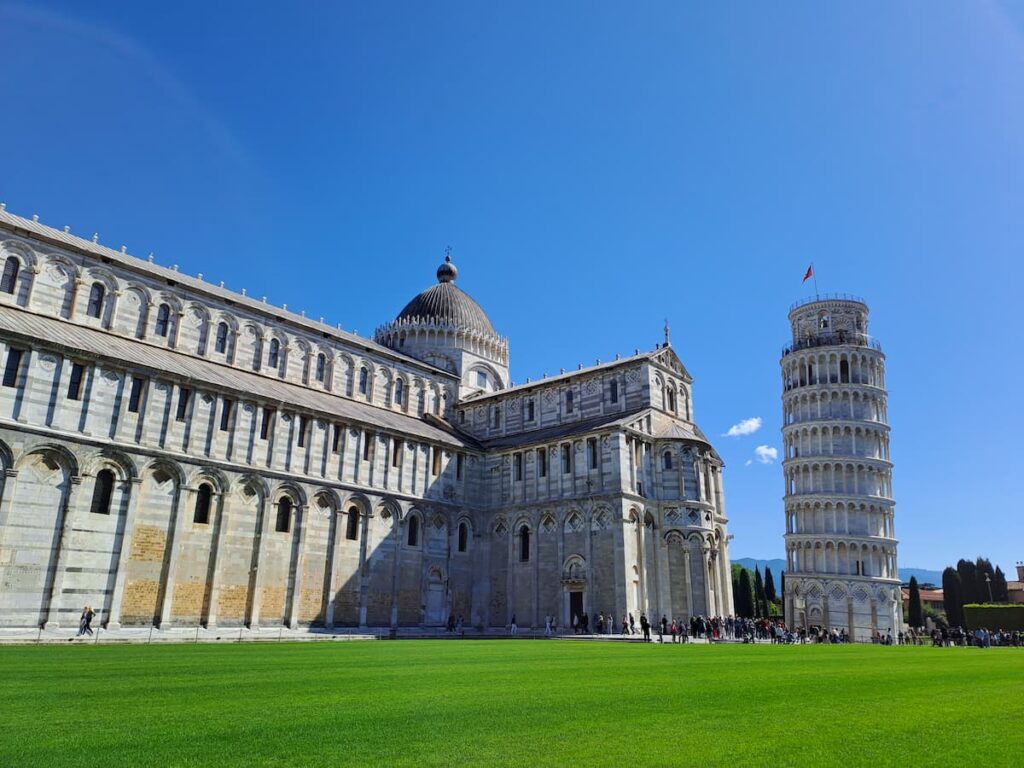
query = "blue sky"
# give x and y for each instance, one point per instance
(596, 168)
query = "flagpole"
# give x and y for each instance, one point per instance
(815, 276)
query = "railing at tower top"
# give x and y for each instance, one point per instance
(833, 339)
(828, 297)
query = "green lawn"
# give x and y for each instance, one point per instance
(509, 703)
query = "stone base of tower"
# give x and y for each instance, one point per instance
(863, 607)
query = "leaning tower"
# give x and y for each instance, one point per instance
(840, 540)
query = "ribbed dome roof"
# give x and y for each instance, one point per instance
(447, 303)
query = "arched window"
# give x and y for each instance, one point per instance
(321, 366)
(96, 294)
(615, 391)
(414, 531)
(352, 529)
(163, 317)
(364, 377)
(221, 345)
(524, 544)
(202, 511)
(844, 371)
(463, 536)
(10, 277)
(102, 492)
(399, 391)
(568, 401)
(671, 400)
(275, 353)
(667, 460)
(284, 515)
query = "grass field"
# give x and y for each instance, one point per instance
(509, 703)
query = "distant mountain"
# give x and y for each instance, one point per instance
(777, 566)
(924, 576)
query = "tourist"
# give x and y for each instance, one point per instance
(585, 624)
(645, 626)
(547, 626)
(87, 616)
(625, 625)
(81, 621)
(632, 625)
(600, 623)
(515, 627)
(575, 624)
(664, 625)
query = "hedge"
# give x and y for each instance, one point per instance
(1006, 617)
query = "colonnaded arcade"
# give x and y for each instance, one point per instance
(175, 453)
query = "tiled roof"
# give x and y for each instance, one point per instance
(66, 239)
(117, 350)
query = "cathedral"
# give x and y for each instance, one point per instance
(177, 454)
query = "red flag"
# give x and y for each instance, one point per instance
(809, 274)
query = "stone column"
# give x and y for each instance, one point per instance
(175, 545)
(34, 270)
(364, 585)
(134, 486)
(396, 532)
(223, 503)
(68, 516)
(261, 555)
(10, 484)
(75, 290)
(115, 297)
(302, 514)
(332, 567)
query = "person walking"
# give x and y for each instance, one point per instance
(81, 621)
(514, 630)
(88, 614)
(625, 625)
(632, 625)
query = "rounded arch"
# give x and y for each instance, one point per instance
(210, 475)
(121, 463)
(253, 485)
(327, 498)
(290, 489)
(171, 468)
(65, 456)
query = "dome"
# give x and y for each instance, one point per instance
(447, 303)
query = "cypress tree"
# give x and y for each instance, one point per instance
(968, 582)
(916, 615)
(1000, 589)
(745, 596)
(760, 605)
(952, 597)
(769, 585)
(983, 574)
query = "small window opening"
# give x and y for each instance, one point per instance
(202, 511)
(102, 492)
(284, 515)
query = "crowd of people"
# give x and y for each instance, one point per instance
(775, 631)
(950, 637)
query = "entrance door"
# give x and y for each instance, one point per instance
(575, 606)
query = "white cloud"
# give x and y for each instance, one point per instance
(745, 427)
(748, 462)
(766, 454)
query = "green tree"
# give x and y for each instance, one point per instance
(760, 603)
(745, 596)
(769, 585)
(968, 582)
(952, 597)
(1000, 589)
(915, 616)
(984, 575)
